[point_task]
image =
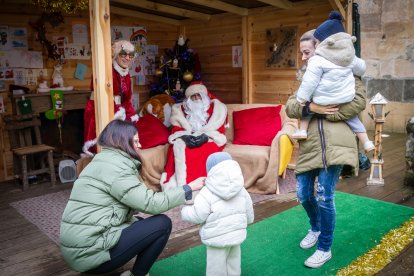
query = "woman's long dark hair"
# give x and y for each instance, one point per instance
(120, 135)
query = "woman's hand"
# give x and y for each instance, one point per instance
(323, 109)
(197, 184)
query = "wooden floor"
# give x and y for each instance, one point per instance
(25, 250)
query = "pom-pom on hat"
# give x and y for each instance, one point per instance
(216, 158)
(331, 26)
(196, 87)
(120, 45)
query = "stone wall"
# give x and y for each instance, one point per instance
(387, 46)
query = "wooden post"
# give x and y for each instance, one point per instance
(246, 67)
(101, 62)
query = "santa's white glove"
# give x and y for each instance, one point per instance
(134, 118)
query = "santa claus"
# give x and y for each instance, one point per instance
(123, 53)
(198, 125)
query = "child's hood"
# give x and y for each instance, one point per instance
(338, 49)
(225, 179)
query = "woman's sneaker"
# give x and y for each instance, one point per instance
(300, 134)
(310, 239)
(369, 146)
(318, 259)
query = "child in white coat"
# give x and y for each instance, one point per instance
(224, 209)
(329, 77)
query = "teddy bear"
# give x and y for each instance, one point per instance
(160, 107)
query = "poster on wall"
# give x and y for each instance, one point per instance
(61, 42)
(18, 38)
(78, 51)
(4, 38)
(281, 48)
(2, 86)
(237, 56)
(80, 33)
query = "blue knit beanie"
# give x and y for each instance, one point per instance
(331, 26)
(216, 158)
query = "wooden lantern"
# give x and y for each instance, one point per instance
(377, 103)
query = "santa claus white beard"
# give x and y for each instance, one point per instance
(197, 116)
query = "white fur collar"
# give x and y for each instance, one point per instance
(122, 71)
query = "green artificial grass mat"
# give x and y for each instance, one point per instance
(272, 245)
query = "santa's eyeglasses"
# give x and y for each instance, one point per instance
(124, 54)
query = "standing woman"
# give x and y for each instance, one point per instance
(98, 233)
(330, 145)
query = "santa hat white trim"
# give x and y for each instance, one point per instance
(196, 88)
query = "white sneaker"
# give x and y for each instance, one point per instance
(318, 259)
(368, 146)
(310, 239)
(300, 134)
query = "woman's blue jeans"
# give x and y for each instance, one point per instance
(320, 207)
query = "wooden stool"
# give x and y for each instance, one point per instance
(24, 146)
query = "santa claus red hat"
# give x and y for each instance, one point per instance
(196, 87)
(120, 45)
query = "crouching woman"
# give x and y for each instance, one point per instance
(98, 232)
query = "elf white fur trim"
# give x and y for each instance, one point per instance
(134, 118)
(122, 71)
(120, 114)
(179, 161)
(194, 89)
(88, 145)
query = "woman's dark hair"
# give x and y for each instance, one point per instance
(119, 135)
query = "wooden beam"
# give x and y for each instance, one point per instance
(283, 4)
(349, 18)
(220, 5)
(101, 62)
(165, 9)
(246, 67)
(141, 15)
(337, 5)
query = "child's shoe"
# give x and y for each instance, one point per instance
(318, 259)
(369, 146)
(300, 134)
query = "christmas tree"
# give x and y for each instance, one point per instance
(177, 68)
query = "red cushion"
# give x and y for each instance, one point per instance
(256, 126)
(152, 132)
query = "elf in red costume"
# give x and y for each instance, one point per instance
(123, 53)
(198, 125)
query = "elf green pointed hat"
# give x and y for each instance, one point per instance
(57, 105)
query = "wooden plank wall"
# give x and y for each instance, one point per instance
(276, 85)
(18, 15)
(213, 42)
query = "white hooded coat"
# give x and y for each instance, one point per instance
(223, 207)
(329, 76)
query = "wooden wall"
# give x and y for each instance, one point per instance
(213, 42)
(19, 15)
(276, 85)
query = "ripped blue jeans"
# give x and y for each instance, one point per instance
(320, 207)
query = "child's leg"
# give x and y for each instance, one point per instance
(304, 123)
(234, 261)
(216, 261)
(358, 127)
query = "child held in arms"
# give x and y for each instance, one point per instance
(329, 77)
(224, 209)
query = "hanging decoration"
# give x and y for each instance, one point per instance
(56, 113)
(54, 19)
(177, 68)
(67, 6)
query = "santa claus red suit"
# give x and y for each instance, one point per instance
(123, 54)
(198, 126)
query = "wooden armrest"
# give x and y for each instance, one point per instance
(285, 153)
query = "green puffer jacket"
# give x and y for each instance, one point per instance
(330, 140)
(100, 206)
